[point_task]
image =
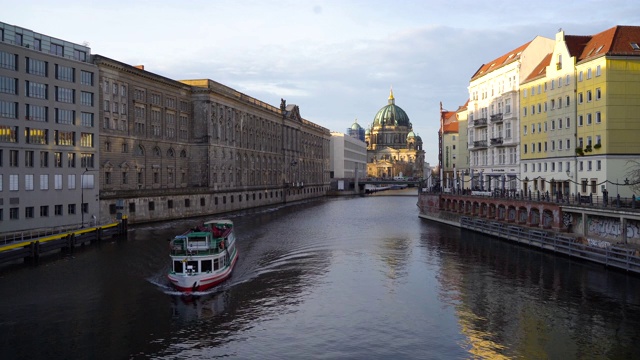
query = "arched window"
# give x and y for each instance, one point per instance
(171, 153)
(139, 150)
(156, 152)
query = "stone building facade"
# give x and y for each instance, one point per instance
(174, 149)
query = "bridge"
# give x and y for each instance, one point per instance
(388, 181)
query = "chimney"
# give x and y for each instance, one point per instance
(141, 67)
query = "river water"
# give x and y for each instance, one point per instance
(338, 278)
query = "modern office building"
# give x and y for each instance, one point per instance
(48, 132)
(348, 157)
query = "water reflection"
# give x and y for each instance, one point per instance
(514, 302)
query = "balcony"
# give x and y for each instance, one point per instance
(480, 143)
(496, 141)
(496, 117)
(480, 122)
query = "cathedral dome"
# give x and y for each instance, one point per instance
(391, 115)
(356, 126)
(411, 135)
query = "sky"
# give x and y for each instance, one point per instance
(337, 60)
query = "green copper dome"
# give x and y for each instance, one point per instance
(391, 115)
(411, 135)
(356, 126)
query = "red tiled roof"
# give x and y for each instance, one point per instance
(503, 60)
(576, 44)
(450, 121)
(614, 41)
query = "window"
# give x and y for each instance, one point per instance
(580, 99)
(65, 95)
(57, 210)
(598, 140)
(57, 181)
(8, 85)
(13, 213)
(28, 158)
(36, 90)
(13, 183)
(86, 98)
(44, 182)
(8, 61)
(86, 77)
(36, 136)
(579, 120)
(567, 80)
(589, 73)
(568, 123)
(44, 159)
(28, 182)
(125, 177)
(71, 209)
(524, 130)
(86, 160)
(589, 96)
(64, 138)
(568, 144)
(598, 70)
(57, 159)
(79, 55)
(13, 158)
(86, 119)
(44, 211)
(598, 94)
(36, 113)
(71, 160)
(28, 212)
(71, 181)
(65, 73)
(599, 165)
(553, 125)
(86, 140)
(525, 148)
(56, 49)
(37, 67)
(589, 119)
(37, 44)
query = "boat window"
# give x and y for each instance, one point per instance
(177, 266)
(194, 266)
(206, 265)
(216, 265)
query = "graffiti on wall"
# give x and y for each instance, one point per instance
(607, 228)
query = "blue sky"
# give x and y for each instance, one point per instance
(336, 60)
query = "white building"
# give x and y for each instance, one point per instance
(348, 157)
(493, 115)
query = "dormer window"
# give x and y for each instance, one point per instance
(635, 46)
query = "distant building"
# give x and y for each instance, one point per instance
(48, 132)
(393, 148)
(348, 157)
(356, 131)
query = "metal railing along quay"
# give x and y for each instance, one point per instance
(31, 249)
(623, 258)
(606, 202)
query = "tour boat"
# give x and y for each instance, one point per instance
(203, 257)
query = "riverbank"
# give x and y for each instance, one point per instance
(605, 236)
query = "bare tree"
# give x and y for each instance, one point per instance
(633, 175)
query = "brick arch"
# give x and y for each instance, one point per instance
(502, 212)
(491, 213)
(534, 217)
(523, 215)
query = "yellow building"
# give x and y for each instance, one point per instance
(579, 112)
(608, 93)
